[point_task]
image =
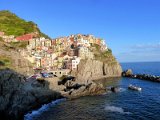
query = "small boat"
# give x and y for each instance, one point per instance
(132, 87)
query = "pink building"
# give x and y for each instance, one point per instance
(1, 33)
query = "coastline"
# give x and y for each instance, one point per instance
(128, 73)
(41, 109)
(28, 96)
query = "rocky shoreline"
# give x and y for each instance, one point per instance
(128, 73)
(18, 96)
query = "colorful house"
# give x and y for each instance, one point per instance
(26, 37)
(1, 34)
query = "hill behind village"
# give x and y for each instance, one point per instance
(11, 24)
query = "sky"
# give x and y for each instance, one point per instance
(131, 28)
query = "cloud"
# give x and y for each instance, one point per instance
(141, 52)
(146, 46)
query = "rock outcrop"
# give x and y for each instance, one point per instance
(88, 71)
(72, 88)
(128, 73)
(18, 97)
(93, 70)
(18, 63)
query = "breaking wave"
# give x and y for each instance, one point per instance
(44, 108)
(122, 89)
(116, 109)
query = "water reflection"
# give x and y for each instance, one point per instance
(107, 82)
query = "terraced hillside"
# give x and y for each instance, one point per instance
(13, 25)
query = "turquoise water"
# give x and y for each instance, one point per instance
(124, 105)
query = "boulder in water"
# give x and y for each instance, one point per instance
(115, 89)
(127, 73)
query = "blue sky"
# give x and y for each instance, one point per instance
(131, 28)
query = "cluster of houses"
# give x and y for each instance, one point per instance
(60, 53)
(12, 38)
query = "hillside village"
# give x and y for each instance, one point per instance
(60, 54)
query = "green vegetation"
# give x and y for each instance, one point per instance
(13, 25)
(13, 45)
(5, 62)
(1, 39)
(19, 44)
(105, 56)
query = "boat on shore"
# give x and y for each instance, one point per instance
(132, 87)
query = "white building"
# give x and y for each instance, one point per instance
(85, 53)
(75, 63)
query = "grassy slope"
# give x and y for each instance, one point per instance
(5, 60)
(105, 56)
(10, 58)
(13, 25)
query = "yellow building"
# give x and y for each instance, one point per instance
(48, 43)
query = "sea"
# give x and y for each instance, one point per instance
(124, 105)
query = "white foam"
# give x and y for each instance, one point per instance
(44, 108)
(122, 89)
(116, 109)
(119, 89)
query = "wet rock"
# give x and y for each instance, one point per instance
(115, 89)
(127, 73)
(152, 78)
(90, 89)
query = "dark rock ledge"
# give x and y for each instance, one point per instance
(128, 73)
(18, 96)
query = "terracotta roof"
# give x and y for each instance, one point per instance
(25, 37)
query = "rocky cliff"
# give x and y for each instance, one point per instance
(11, 58)
(94, 69)
(104, 65)
(18, 97)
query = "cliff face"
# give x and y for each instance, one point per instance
(102, 66)
(94, 69)
(11, 58)
(18, 97)
(112, 70)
